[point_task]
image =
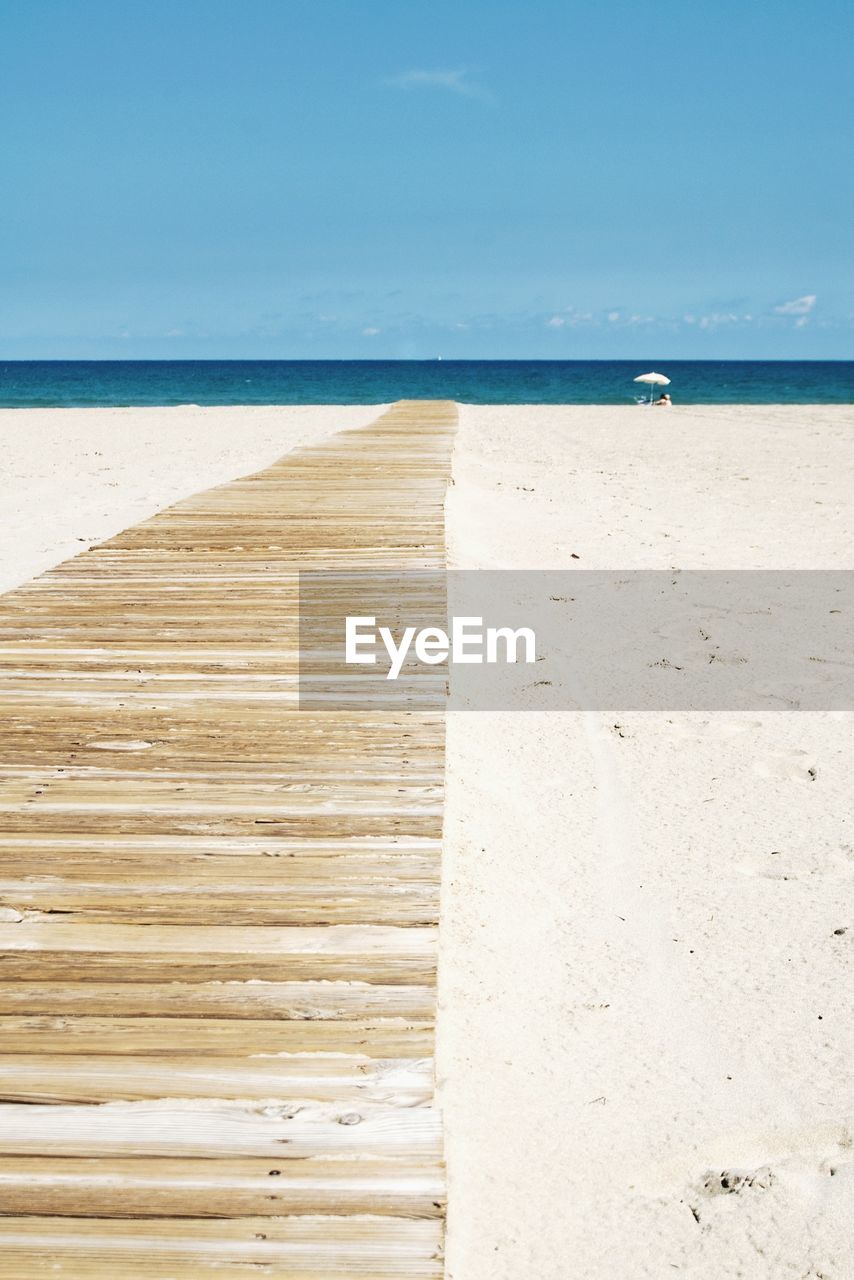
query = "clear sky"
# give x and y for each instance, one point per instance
(385, 178)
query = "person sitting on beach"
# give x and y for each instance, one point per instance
(664, 401)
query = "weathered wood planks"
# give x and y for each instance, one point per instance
(218, 911)
(299, 1247)
(221, 1188)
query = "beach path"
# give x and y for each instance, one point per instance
(218, 911)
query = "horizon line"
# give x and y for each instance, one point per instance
(425, 359)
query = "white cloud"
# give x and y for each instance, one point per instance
(717, 318)
(370, 332)
(450, 81)
(613, 316)
(569, 316)
(798, 306)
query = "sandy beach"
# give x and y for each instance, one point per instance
(645, 1023)
(645, 961)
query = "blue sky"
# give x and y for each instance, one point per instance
(404, 178)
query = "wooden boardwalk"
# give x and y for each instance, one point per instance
(217, 911)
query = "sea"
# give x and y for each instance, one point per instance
(101, 383)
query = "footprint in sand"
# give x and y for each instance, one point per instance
(802, 863)
(715, 730)
(794, 766)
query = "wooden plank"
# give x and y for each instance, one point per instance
(218, 908)
(254, 999)
(199, 1188)
(286, 1129)
(186, 902)
(45, 951)
(58, 1034)
(125, 1077)
(305, 1248)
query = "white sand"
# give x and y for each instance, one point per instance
(596, 1070)
(641, 983)
(72, 477)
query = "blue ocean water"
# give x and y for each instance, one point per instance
(28, 383)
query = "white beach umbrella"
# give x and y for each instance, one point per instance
(654, 380)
